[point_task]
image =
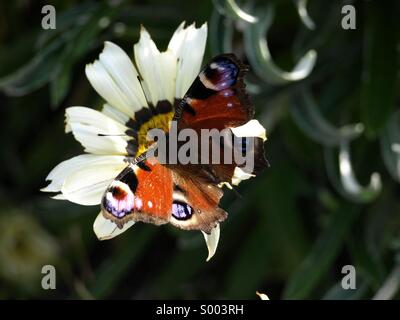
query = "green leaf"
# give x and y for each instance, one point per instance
(317, 263)
(253, 259)
(390, 142)
(368, 263)
(391, 285)
(59, 86)
(220, 34)
(231, 9)
(168, 283)
(113, 269)
(274, 219)
(34, 74)
(303, 14)
(16, 53)
(68, 19)
(54, 62)
(338, 293)
(380, 64)
(345, 181)
(76, 48)
(308, 117)
(259, 55)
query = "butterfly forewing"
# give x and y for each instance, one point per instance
(150, 192)
(217, 98)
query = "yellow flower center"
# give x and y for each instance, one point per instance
(159, 121)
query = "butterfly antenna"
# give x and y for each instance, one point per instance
(112, 135)
(140, 158)
(149, 153)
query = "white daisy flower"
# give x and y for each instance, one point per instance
(137, 99)
(112, 137)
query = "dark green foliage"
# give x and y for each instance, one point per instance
(294, 227)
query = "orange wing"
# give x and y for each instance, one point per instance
(141, 192)
(152, 193)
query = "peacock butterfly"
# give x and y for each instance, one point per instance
(187, 196)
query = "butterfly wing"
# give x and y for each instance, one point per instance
(141, 192)
(150, 192)
(217, 98)
(195, 203)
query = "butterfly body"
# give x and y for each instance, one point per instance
(187, 196)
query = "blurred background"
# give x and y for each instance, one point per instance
(328, 97)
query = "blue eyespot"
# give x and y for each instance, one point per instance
(222, 72)
(181, 210)
(118, 200)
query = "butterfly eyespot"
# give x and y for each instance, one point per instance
(221, 73)
(181, 210)
(118, 193)
(119, 200)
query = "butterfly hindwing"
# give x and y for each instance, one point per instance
(195, 203)
(141, 192)
(150, 192)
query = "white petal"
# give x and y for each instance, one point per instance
(89, 127)
(120, 67)
(115, 114)
(239, 175)
(91, 117)
(262, 296)
(174, 47)
(106, 229)
(158, 70)
(115, 78)
(169, 64)
(253, 128)
(93, 143)
(62, 170)
(177, 39)
(59, 196)
(86, 185)
(212, 241)
(226, 184)
(65, 168)
(188, 45)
